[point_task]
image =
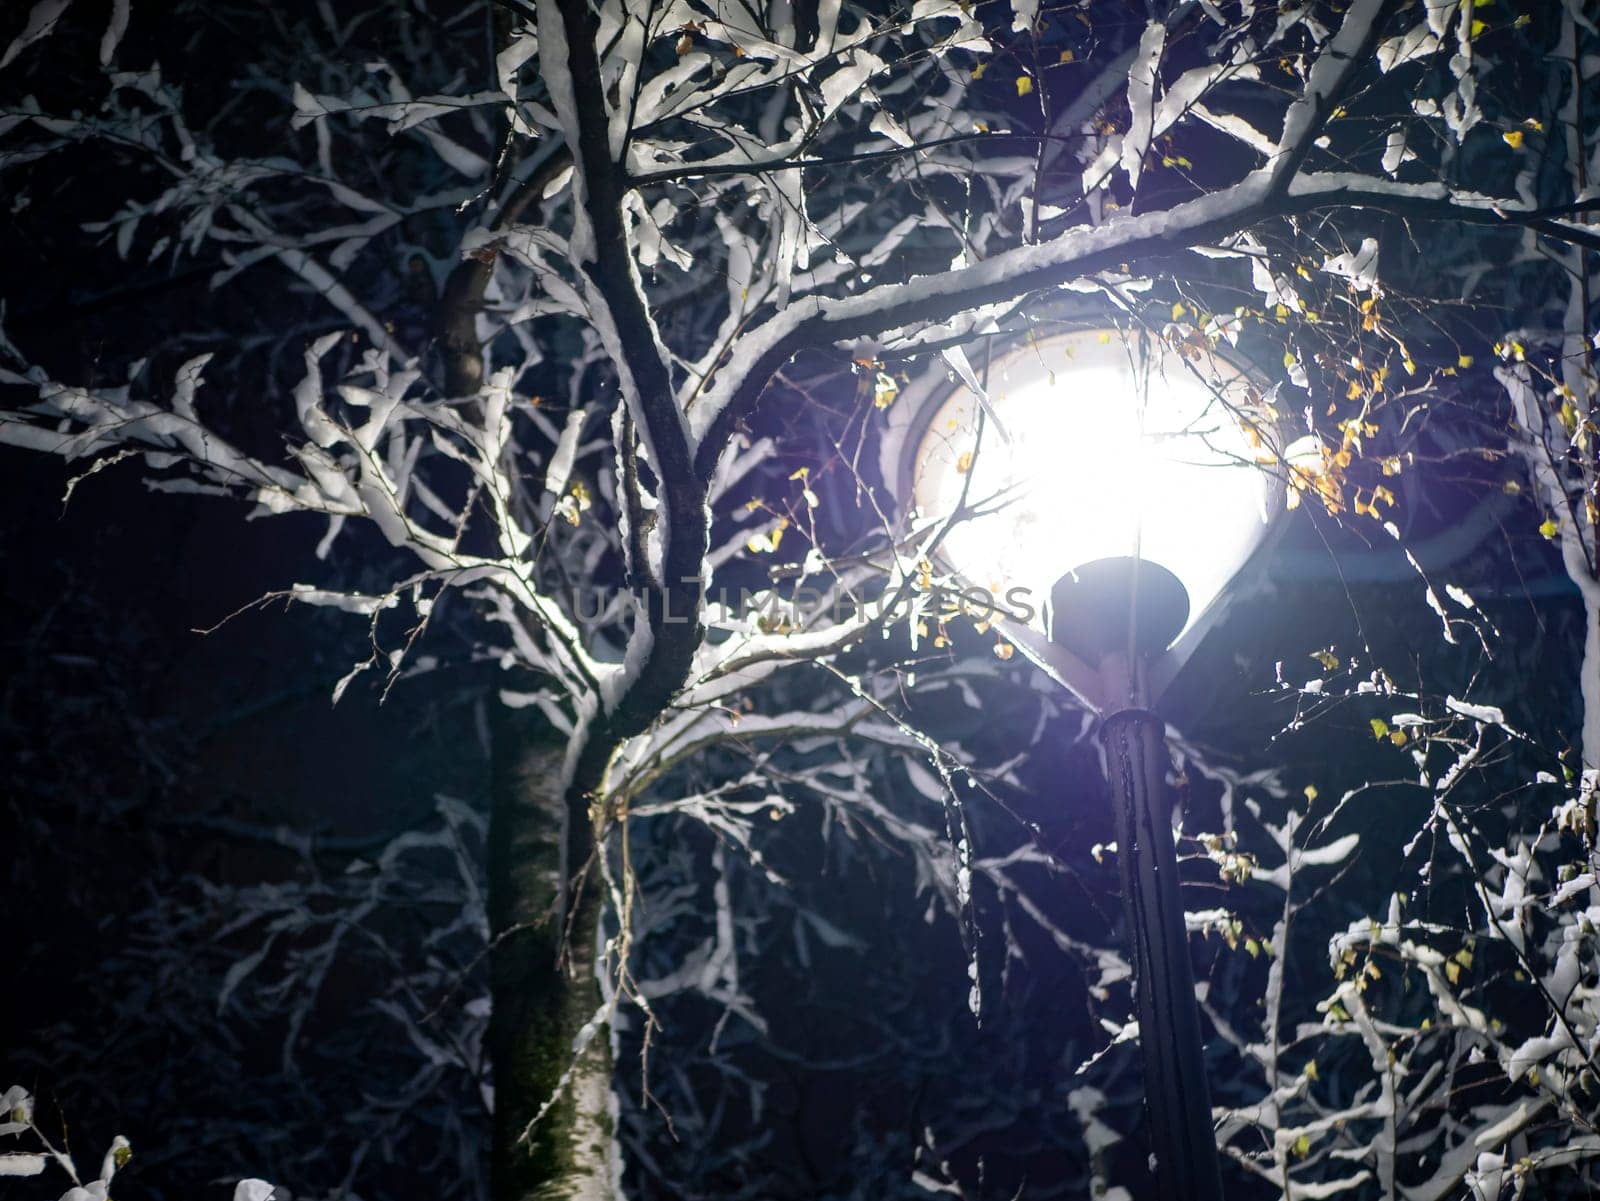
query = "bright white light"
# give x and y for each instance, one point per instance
(1107, 456)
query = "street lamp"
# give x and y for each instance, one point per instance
(1129, 481)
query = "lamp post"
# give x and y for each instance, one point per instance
(1139, 471)
(1117, 614)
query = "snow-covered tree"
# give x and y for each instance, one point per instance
(571, 320)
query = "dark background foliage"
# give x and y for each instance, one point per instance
(152, 769)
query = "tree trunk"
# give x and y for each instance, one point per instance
(543, 992)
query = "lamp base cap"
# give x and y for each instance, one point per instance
(1105, 606)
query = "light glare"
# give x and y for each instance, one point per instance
(1106, 457)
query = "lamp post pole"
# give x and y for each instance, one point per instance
(1142, 429)
(1139, 608)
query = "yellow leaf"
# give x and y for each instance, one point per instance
(766, 544)
(1177, 309)
(884, 390)
(1478, 27)
(1512, 138)
(964, 463)
(1066, 57)
(1380, 728)
(1398, 738)
(977, 72)
(1302, 1145)
(1311, 1070)
(1452, 971)
(1004, 650)
(1327, 658)
(1549, 527)
(574, 504)
(1311, 792)
(1253, 947)
(1024, 85)
(1288, 358)
(1464, 361)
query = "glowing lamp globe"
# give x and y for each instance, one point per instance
(1137, 476)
